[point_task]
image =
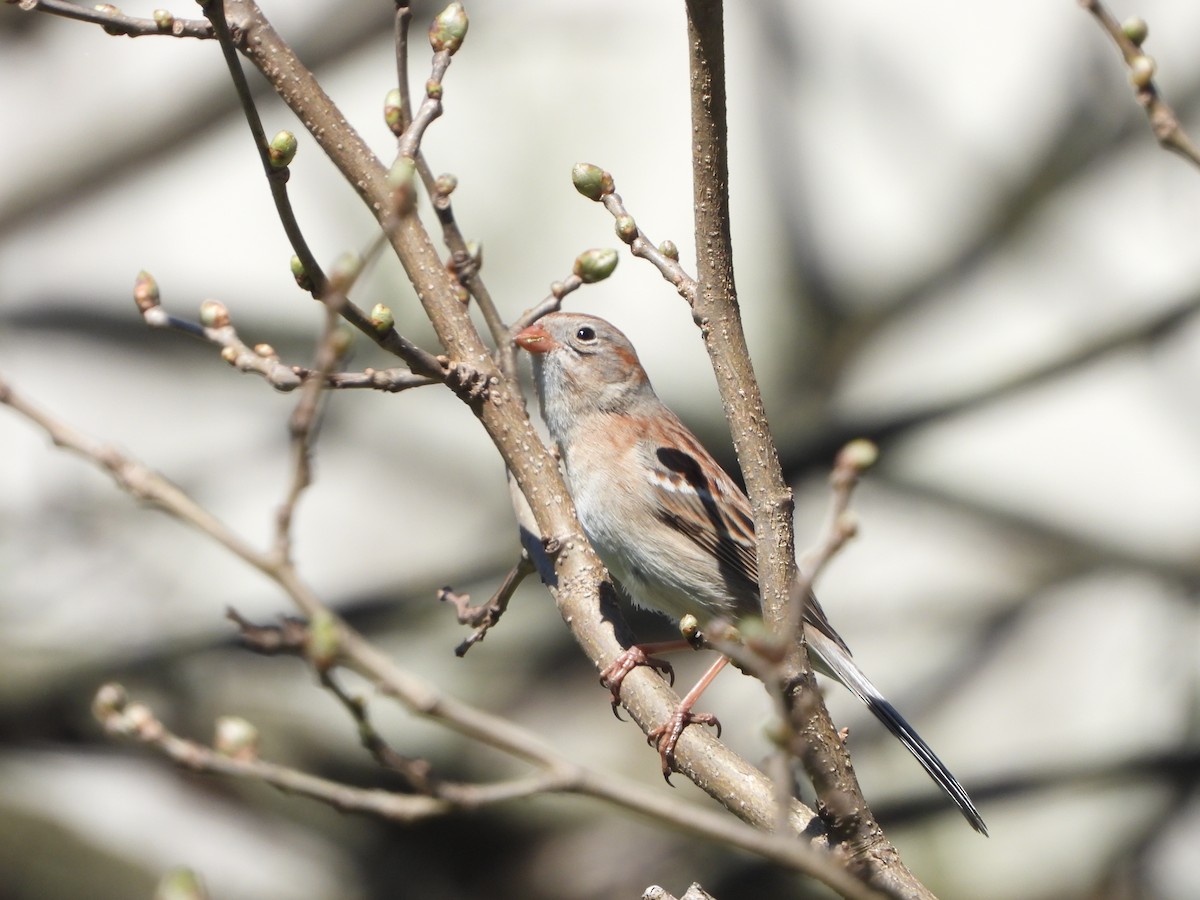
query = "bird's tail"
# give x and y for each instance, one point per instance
(834, 661)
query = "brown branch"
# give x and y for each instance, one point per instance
(424, 699)
(116, 23)
(590, 266)
(485, 616)
(464, 263)
(390, 381)
(215, 327)
(277, 174)
(137, 722)
(1163, 120)
(840, 525)
(715, 310)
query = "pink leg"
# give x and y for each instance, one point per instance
(667, 735)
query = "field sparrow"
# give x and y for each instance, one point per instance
(668, 522)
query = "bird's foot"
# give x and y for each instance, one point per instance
(667, 735)
(614, 674)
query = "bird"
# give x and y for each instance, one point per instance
(667, 521)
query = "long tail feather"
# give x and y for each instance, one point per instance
(835, 662)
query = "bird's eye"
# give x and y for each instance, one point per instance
(586, 334)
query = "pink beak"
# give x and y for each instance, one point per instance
(534, 339)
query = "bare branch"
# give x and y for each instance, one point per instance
(485, 616)
(116, 23)
(425, 699)
(1163, 120)
(216, 328)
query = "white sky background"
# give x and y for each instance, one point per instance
(895, 137)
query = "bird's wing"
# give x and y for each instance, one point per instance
(699, 499)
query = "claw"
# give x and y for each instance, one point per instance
(666, 736)
(635, 656)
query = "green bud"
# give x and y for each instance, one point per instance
(669, 250)
(109, 700)
(776, 732)
(163, 19)
(402, 172)
(591, 181)
(236, 738)
(282, 150)
(382, 319)
(345, 270)
(393, 110)
(1141, 71)
(324, 640)
(300, 274)
(449, 29)
(433, 89)
(626, 228)
(859, 454)
(1136, 30)
(445, 185)
(145, 291)
(181, 884)
(342, 340)
(213, 314)
(595, 265)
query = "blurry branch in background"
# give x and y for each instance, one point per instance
(327, 642)
(483, 379)
(1129, 37)
(465, 260)
(114, 22)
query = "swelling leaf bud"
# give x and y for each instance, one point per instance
(236, 738)
(1141, 71)
(595, 265)
(449, 29)
(859, 455)
(213, 314)
(300, 274)
(382, 319)
(591, 181)
(345, 270)
(324, 641)
(402, 172)
(393, 110)
(282, 150)
(626, 228)
(1136, 30)
(145, 291)
(181, 884)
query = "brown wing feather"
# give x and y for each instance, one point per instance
(715, 514)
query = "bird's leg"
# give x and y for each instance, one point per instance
(666, 736)
(638, 655)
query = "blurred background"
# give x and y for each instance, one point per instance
(954, 234)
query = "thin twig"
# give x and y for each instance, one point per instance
(277, 176)
(485, 616)
(553, 302)
(216, 328)
(422, 362)
(114, 22)
(1163, 120)
(421, 697)
(463, 261)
